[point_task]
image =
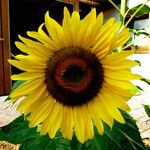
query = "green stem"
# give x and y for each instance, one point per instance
(127, 12)
(114, 5)
(12, 55)
(122, 14)
(132, 16)
(123, 10)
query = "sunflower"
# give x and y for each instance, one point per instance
(73, 80)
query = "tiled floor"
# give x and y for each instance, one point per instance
(139, 114)
(7, 111)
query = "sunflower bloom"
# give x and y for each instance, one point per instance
(73, 80)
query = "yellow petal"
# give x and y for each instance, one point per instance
(103, 29)
(96, 119)
(118, 56)
(98, 24)
(118, 91)
(56, 119)
(34, 96)
(102, 54)
(32, 66)
(27, 76)
(66, 16)
(113, 111)
(89, 132)
(40, 52)
(66, 27)
(47, 42)
(37, 45)
(31, 108)
(53, 122)
(41, 112)
(26, 88)
(33, 105)
(55, 31)
(118, 83)
(75, 28)
(42, 33)
(85, 29)
(106, 38)
(97, 108)
(79, 124)
(116, 100)
(90, 33)
(26, 49)
(118, 64)
(33, 58)
(121, 75)
(87, 26)
(121, 38)
(36, 61)
(99, 125)
(67, 123)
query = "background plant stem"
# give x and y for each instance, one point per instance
(115, 6)
(122, 11)
(132, 16)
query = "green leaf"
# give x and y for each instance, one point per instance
(139, 88)
(147, 109)
(38, 143)
(17, 83)
(145, 10)
(143, 33)
(146, 80)
(139, 32)
(120, 137)
(17, 131)
(133, 91)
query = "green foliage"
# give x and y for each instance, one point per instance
(147, 109)
(138, 32)
(16, 84)
(141, 32)
(145, 10)
(146, 80)
(133, 91)
(139, 88)
(121, 137)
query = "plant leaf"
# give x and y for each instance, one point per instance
(146, 80)
(145, 10)
(147, 109)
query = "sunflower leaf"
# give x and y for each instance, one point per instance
(146, 80)
(147, 109)
(145, 10)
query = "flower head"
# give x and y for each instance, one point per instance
(73, 80)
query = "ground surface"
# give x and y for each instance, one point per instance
(8, 146)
